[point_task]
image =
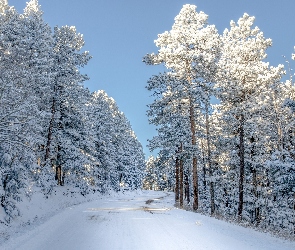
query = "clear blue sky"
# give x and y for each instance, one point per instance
(118, 33)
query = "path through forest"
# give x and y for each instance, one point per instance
(147, 221)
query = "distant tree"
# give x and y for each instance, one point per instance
(118, 152)
(150, 181)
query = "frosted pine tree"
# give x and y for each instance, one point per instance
(189, 51)
(23, 69)
(150, 181)
(102, 122)
(280, 164)
(118, 151)
(37, 48)
(68, 99)
(244, 76)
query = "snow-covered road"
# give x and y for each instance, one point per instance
(139, 222)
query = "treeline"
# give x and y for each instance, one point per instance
(53, 131)
(234, 159)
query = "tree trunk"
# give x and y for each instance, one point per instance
(212, 194)
(242, 167)
(195, 171)
(186, 188)
(180, 184)
(58, 175)
(176, 181)
(58, 170)
(256, 210)
(204, 168)
(255, 193)
(193, 132)
(195, 184)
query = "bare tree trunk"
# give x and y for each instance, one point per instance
(180, 184)
(212, 200)
(195, 184)
(254, 182)
(255, 193)
(186, 188)
(195, 171)
(193, 132)
(242, 166)
(58, 175)
(212, 194)
(204, 167)
(176, 181)
(58, 170)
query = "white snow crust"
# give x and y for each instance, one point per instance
(144, 220)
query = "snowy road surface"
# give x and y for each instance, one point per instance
(146, 221)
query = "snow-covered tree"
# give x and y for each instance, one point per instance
(49, 121)
(243, 76)
(189, 51)
(25, 43)
(119, 154)
(66, 129)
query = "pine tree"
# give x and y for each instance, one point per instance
(189, 51)
(65, 130)
(243, 76)
(118, 152)
(25, 44)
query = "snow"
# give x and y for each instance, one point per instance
(142, 220)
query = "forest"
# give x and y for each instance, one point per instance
(53, 130)
(224, 119)
(225, 123)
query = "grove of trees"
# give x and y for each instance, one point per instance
(225, 123)
(54, 131)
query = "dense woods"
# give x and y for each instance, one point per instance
(225, 123)
(53, 131)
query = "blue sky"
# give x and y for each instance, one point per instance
(118, 33)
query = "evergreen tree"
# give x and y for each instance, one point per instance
(189, 51)
(243, 77)
(21, 117)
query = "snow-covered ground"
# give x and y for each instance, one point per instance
(138, 221)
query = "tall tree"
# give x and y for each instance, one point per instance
(65, 131)
(26, 43)
(189, 52)
(243, 76)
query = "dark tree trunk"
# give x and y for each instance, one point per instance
(186, 189)
(177, 181)
(180, 184)
(256, 210)
(195, 184)
(255, 193)
(242, 166)
(226, 197)
(58, 172)
(4, 188)
(212, 193)
(204, 168)
(58, 175)
(195, 170)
